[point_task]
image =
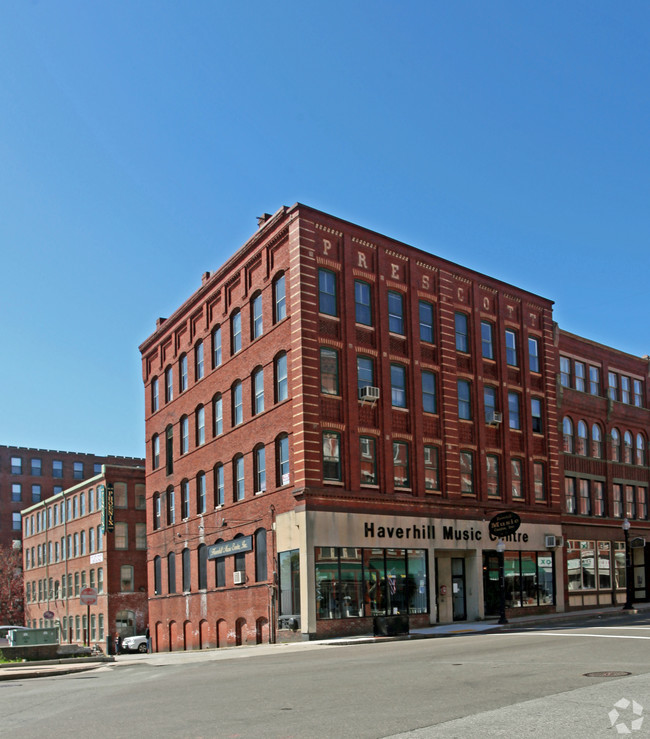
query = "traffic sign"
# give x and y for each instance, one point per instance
(88, 596)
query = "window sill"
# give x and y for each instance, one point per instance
(369, 485)
(338, 483)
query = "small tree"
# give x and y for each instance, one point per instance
(12, 609)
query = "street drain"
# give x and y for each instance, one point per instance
(609, 673)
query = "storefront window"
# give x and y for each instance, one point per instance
(529, 580)
(589, 565)
(604, 565)
(289, 567)
(352, 582)
(620, 579)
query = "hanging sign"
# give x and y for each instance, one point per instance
(504, 524)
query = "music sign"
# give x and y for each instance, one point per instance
(504, 524)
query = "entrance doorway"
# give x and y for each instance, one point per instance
(458, 588)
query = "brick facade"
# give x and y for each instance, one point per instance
(65, 549)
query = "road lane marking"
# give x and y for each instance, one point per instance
(594, 636)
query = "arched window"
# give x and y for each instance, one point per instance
(200, 425)
(219, 569)
(202, 556)
(640, 450)
(187, 570)
(627, 447)
(259, 462)
(171, 572)
(567, 431)
(582, 439)
(282, 460)
(200, 493)
(155, 451)
(279, 299)
(258, 390)
(157, 571)
(260, 556)
(596, 442)
(240, 557)
(616, 446)
(235, 332)
(171, 506)
(217, 415)
(185, 499)
(238, 477)
(216, 347)
(219, 488)
(198, 361)
(169, 385)
(256, 316)
(154, 395)
(156, 511)
(237, 403)
(169, 449)
(281, 378)
(185, 434)
(182, 373)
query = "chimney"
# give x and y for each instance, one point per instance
(261, 220)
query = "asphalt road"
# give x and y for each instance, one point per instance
(511, 684)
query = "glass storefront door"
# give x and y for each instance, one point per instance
(458, 588)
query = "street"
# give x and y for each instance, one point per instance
(513, 683)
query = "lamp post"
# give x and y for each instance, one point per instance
(629, 573)
(501, 547)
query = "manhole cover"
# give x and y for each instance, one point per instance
(607, 673)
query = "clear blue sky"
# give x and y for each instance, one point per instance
(139, 140)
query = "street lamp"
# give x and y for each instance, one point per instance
(629, 573)
(501, 547)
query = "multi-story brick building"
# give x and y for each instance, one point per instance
(90, 535)
(332, 420)
(31, 475)
(603, 410)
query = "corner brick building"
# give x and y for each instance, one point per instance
(69, 545)
(30, 475)
(332, 419)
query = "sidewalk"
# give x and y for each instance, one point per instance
(24, 671)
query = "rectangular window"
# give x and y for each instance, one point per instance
(539, 481)
(492, 475)
(429, 392)
(426, 322)
(16, 492)
(395, 312)
(15, 522)
(570, 494)
(599, 497)
(511, 349)
(467, 473)
(565, 372)
(487, 340)
(401, 476)
(57, 468)
(594, 380)
(431, 468)
(514, 416)
(327, 292)
(120, 499)
(37, 467)
(617, 498)
(78, 470)
(16, 466)
(638, 393)
(331, 455)
(329, 371)
(126, 578)
(536, 415)
(464, 400)
(612, 385)
(641, 503)
(625, 389)
(398, 385)
(141, 536)
(368, 460)
(584, 506)
(362, 298)
(462, 332)
(121, 535)
(579, 376)
(533, 354)
(365, 372)
(489, 403)
(517, 479)
(630, 502)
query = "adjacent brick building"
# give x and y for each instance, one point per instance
(31, 475)
(68, 545)
(332, 419)
(603, 411)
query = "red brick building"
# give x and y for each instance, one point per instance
(603, 411)
(68, 545)
(31, 475)
(332, 419)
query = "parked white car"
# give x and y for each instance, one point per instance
(134, 644)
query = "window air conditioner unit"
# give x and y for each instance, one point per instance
(369, 393)
(551, 541)
(238, 577)
(495, 417)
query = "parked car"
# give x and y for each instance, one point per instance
(4, 630)
(134, 644)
